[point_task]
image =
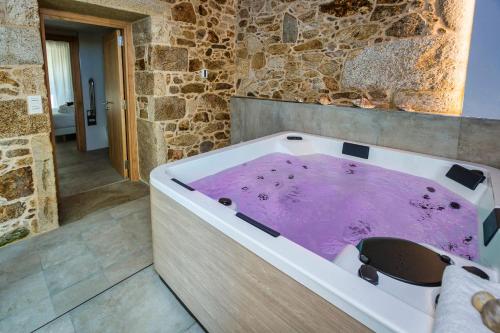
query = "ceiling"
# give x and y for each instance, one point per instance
(54, 25)
(90, 9)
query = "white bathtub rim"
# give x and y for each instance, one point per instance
(491, 172)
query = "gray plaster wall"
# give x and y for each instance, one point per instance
(469, 139)
(92, 66)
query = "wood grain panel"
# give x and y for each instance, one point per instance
(129, 75)
(114, 91)
(227, 287)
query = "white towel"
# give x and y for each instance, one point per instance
(455, 312)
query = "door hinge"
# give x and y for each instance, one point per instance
(124, 104)
(120, 40)
(127, 164)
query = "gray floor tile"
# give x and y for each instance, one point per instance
(22, 294)
(77, 206)
(29, 318)
(60, 325)
(73, 167)
(80, 292)
(18, 267)
(130, 264)
(50, 274)
(93, 222)
(110, 245)
(138, 225)
(140, 304)
(18, 249)
(59, 253)
(56, 237)
(69, 272)
(130, 207)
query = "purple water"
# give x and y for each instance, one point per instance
(323, 203)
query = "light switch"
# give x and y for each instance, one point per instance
(204, 73)
(35, 104)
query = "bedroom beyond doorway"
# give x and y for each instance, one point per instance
(86, 72)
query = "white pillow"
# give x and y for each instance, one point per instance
(66, 109)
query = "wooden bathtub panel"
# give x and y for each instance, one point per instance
(226, 286)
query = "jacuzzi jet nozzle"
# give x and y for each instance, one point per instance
(225, 201)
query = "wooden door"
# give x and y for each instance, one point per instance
(113, 86)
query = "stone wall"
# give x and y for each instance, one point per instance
(27, 184)
(395, 54)
(408, 54)
(181, 114)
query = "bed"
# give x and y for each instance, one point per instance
(64, 120)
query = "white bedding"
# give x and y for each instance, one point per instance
(64, 123)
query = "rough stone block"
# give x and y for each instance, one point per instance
(356, 33)
(190, 88)
(17, 152)
(141, 32)
(206, 146)
(449, 102)
(169, 108)
(16, 184)
(454, 12)
(14, 235)
(259, 60)
(429, 66)
(11, 211)
(343, 8)
(214, 102)
(168, 58)
(31, 79)
(144, 83)
(183, 140)
(21, 13)
(409, 26)
(20, 46)
(382, 12)
(290, 29)
(184, 12)
(313, 44)
(45, 183)
(15, 121)
(151, 146)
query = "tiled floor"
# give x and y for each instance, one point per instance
(88, 183)
(139, 304)
(77, 206)
(82, 171)
(103, 261)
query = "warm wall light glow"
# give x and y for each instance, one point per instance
(407, 56)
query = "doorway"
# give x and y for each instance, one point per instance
(89, 75)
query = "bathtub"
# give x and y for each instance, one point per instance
(236, 277)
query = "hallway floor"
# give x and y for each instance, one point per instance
(93, 275)
(88, 183)
(82, 171)
(77, 206)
